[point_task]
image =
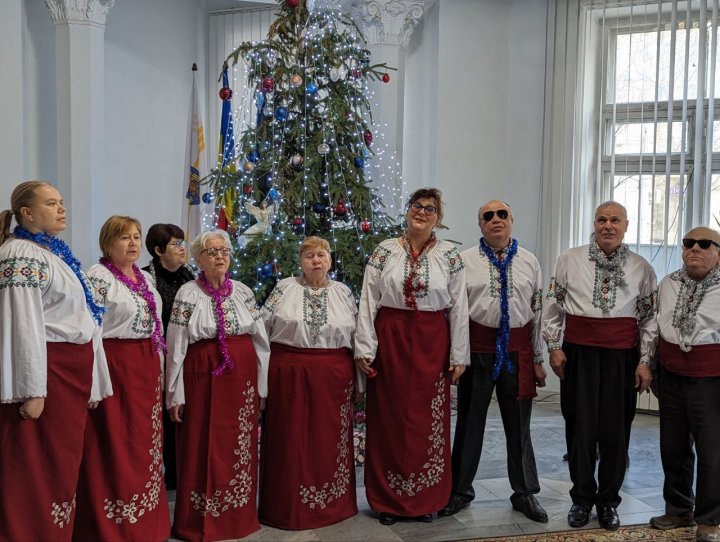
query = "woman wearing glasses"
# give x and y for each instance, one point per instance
(166, 245)
(216, 382)
(411, 343)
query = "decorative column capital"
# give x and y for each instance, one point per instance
(92, 12)
(388, 22)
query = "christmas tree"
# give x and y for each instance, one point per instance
(302, 164)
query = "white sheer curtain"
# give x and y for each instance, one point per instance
(631, 116)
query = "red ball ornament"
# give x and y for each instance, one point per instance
(386, 78)
(368, 137)
(297, 221)
(356, 74)
(225, 94)
(340, 208)
(365, 226)
(292, 3)
(268, 84)
(248, 189)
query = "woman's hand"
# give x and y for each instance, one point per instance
(32, 408)
(365, 365)
(263, 400)
(557, 363)
(455, 372)
(92, 405)
(176, 413)
(540, 375)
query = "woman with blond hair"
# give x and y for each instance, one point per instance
(216, 382)
(52, 366)
(121, 495)
(311, 323)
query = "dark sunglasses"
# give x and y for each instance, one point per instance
(487, 216)
(702, 243)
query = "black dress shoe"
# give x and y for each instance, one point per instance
(387, 519)
(454, 505)
(579, 515)
(425, 518)
(607, 517)
(528, 505)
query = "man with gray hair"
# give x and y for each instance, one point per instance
(504, 287)
(689, 387)
(599, 308)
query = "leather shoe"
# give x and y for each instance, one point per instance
(425, 518)
(671, 521)
(528, 505)
(607, 517)
(707, 533)
(387, 519)
(454, 505)
(579, 515)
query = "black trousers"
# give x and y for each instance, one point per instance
(690, 418)
(475, 391)
(598, 400)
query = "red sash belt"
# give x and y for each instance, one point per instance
(483, 339)
(617, 333)
(703, 360)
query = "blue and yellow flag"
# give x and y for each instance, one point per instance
(226, 161)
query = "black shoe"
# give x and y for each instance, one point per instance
(387, 519)
(671, 521)
(454, 505)
(425, 518)
(579, 515)
(607, 517)
(528, 505)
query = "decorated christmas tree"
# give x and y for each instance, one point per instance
(303, 163)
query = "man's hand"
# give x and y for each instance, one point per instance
(540, 375)
(557, 362)
(643, 378)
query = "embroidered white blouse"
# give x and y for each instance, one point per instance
(580, 287)
(41, 300)
(305, 317)
(193, 319)
(441, 269)
(689, 310)
(524, 292)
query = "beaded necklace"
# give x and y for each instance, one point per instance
(141, 288)
(502, 341)
(218, 296)
(61, 249)
(412, 285)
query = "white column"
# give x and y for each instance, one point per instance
(80, 89)
(12, 104)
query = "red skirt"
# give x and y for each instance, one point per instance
(309, 409)
(121, 492)
(407, 462)
(217, 444)
(40, 459)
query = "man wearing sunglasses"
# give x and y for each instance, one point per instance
(689, 387)
(599, 324)
(504, 286)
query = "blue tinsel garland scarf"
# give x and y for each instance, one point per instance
(61, 249)
(502, 342)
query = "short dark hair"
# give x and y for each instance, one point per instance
(159, 235)
(429, 193)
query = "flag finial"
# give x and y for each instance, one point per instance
(194, 68)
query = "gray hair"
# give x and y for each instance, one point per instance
(198, 244)
(611, 203)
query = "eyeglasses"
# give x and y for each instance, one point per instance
(429, 209)
(702, 243)
(212, 252)
(177, 244)
(502, 214)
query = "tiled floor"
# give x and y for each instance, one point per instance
(491, 513)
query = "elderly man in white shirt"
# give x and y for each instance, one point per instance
(504, 288)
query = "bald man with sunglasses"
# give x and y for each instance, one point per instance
(504, 287)
(689, 387)
(599, 324)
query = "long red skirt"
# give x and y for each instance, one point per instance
(217, 444)
(40, 459)
(407, 462)
(121, 493)
(307, 466)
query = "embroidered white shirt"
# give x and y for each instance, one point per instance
(193, 319)
(41, 301)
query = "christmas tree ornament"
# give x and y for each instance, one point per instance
(273, 194)
(368, 137)
(297, 159)
(356, 74)
(266, 271)
(248, 189)
(340, 209)
(318, 207)
(225, 94)
(292, 3)
(268, 84)
(253, 156)
(334, 75)
(365, 56)
(323, 149)
(268, 111)
(207, 197)
(248, 167)
(365, 226)
(311, 88)
(297, 221)
(281, 113)
(271, 59)
(359, 162)
(296, 81)
(322, 81)
(386, 78)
